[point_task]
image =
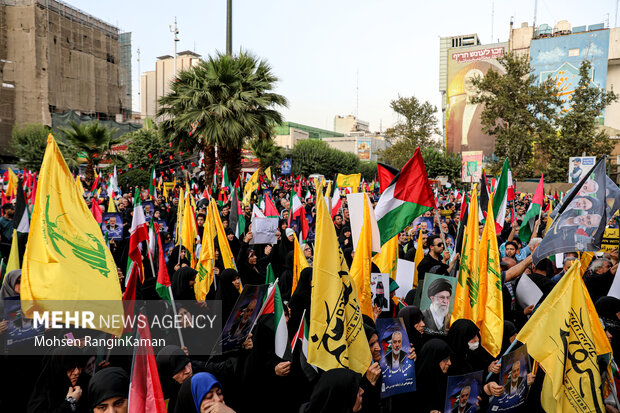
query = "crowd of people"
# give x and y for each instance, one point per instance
(253, 377)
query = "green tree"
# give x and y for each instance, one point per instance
(578, 127)
(311, 156)
(29, 143)
(144, 142)
(368, 170)
(417, 122)
(224, 101)
(267, 152)
(518, 112)
(439, 163)
(93, 142)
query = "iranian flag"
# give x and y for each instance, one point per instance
(225, 181)
(296, 205)
(533, 212)
(336, 202)
(504, 192)
(139, 231)
(163, 285)
(273, 305)
(408, 196)
(153, 183)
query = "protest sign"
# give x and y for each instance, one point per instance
(398, 371)
(379, 285)
(264, 230)
(462, 393)
(513, 377)
(243, 316)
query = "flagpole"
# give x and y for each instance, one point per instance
(174, 309)
(505, 352)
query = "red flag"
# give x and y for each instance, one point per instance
(96, 211)
(162, 272)
(386, 175)
(304, 224)
(95, 184)
(270, 208)
(4, 200)
(145, 394)
(33, 191)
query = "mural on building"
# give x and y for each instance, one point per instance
(363, 149)
(560, 57)
(463, 123)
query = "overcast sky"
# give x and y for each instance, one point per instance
(318, 47)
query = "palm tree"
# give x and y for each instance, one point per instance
(92, 141)
(222, 102)
(267, 152)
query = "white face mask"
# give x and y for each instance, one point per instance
(474, 346)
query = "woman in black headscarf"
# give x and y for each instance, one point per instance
(345, 240)
(109, 387)
(173, 260)
(412, 316)
(233, 241)
(608, 309)
(174, 367)
(464, 340)
(183, 281)
(431, 369)
(300, 300)
(286, 279)
(228, 292)
(337, 391)
(61, 387)
(510, 335)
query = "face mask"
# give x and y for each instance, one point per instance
(474, 346)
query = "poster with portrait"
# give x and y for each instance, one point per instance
(149, 210)
(423, 223)
(380, 290)
(112, 223)
(513, 377)
(20, 330)
(462, 393)
(579, 166)
(436, 302)
(243, 316)
(397, 370)
(285, 167)
(162, 225)
(363, 148)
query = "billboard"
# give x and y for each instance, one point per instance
(471, 166)
(559, 58)
(463, 123)
(363, 148)
(579, 166)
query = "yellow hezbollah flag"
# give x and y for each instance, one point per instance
(466, 294)
(78, 183)
(66, 257)
(361, 266)
(565, 336)
(585, 258)
(299, 263)
(11, 189)
(337, 339)
(225, 252)
(111, 205)
(387, 258)
(204, 278)
(419, 256)
(490, 310)
(250, 186)
(268, 173)
(189, 230)
(352, 181)
(13, 262)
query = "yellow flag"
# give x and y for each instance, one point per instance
(466, 294)
(352, 181)
(189, 230)
(250, 186)
(337, 338)
(66, 257)
(225, 252)
(268, 173)
(361, 266)
(585, 258)
(490, 307)
(180, 210)
(387, 258)
(111, 205)
(13, 261)
(78, 183)
(204, 278)
(419, 256)
(299, 263)
(565, 336)
(11, 189)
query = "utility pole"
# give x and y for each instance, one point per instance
(175, 30)
(229, 27)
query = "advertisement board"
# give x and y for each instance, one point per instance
(463, 123)
(363, 148)
(471, 166)
(579, 166)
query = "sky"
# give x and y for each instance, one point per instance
(335, 57)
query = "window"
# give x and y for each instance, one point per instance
(573, 52)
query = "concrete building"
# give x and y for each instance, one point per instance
(348, 124)
(363, 144)
(55, 58)
(291, 137)
(156, 83)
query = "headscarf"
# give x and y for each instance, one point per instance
(300, 299)
(227, 292)
(107, 383)
(202, 383)
(607, 307)
(173, 259)
(170, 360)
(8, 286)
(411, 316)
(180, 284)
(335, 392)
(433, 386)
(509, 331)
(461, 331)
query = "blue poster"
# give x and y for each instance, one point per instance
(397, 370)
(20, 329)
(513, 377)
(285, 167)
(112, 223)
(462, 393)
(559, 58)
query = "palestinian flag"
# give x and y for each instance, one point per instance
(237, 220)
(273, 305)
(21, 220)
(270, 209)
(533, 212)
(408, 196)
(386, 175)
(163, 279)
(504, 193)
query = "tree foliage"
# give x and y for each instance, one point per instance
(29, 143)
(417, 123)
(578, 131)
(267, 152)
(144, 142)
(518, 112)
(438, 163)
(312, 156)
